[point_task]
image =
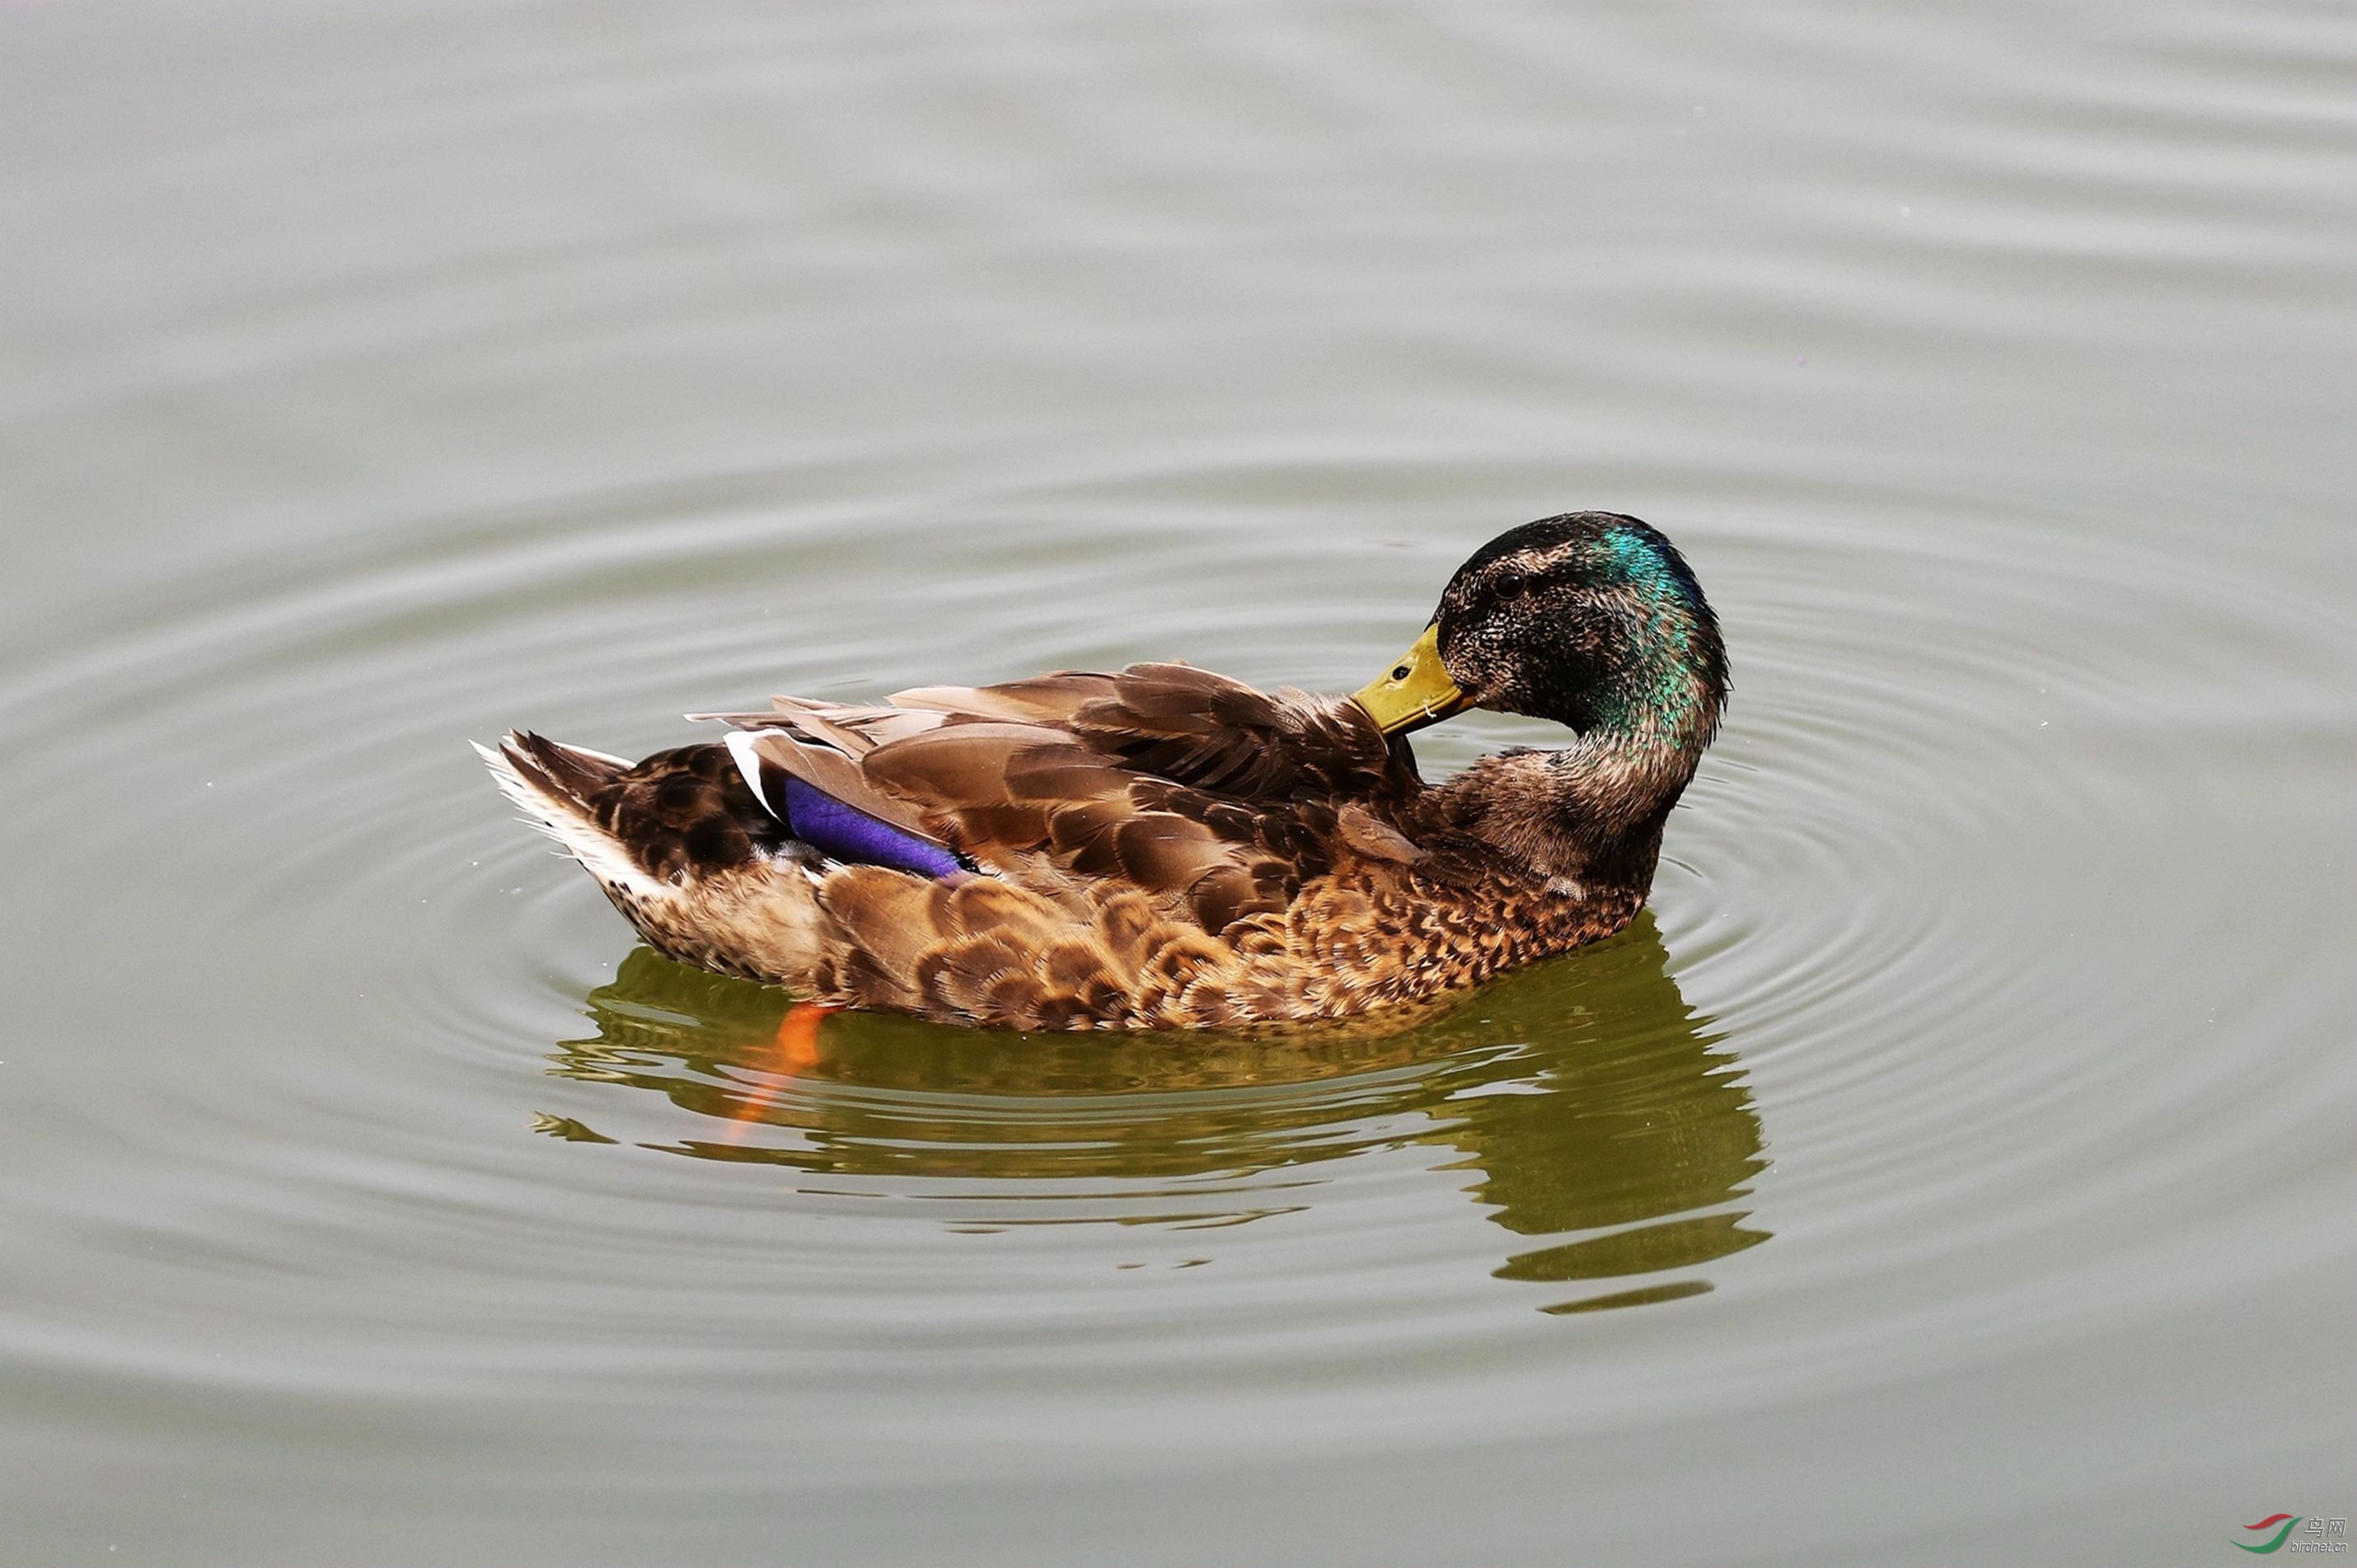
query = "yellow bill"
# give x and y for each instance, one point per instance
(1417, 691)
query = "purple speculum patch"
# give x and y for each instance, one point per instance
(848, 833)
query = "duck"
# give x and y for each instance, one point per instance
(1161, 847)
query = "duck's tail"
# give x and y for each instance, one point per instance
(570, 793)
(682, 846)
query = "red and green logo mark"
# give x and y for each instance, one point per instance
(2281, 1523)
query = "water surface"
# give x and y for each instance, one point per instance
(1955, 1165)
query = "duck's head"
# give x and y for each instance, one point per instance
(1590, 620)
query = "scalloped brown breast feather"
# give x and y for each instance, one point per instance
(991, 950)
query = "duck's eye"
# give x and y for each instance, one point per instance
(1509, 583)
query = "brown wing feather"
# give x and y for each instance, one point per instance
(839, 776)
(1214, 799)
(855, 729)
(1214, 734)
(1195, 727)
(1043, 699)
(826, 743)
(958, 770)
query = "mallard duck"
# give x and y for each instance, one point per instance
(1162, 847)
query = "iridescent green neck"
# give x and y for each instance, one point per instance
(1665, 681)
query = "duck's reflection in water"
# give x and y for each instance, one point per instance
(1588, 1098)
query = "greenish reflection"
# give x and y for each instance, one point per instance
(1587, 1095)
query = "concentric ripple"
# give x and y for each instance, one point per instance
(1594, 1113)
(1955, 1154)
(1576, 1141)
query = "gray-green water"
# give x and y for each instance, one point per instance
(1957, 1166)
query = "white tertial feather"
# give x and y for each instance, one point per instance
(741, 746)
